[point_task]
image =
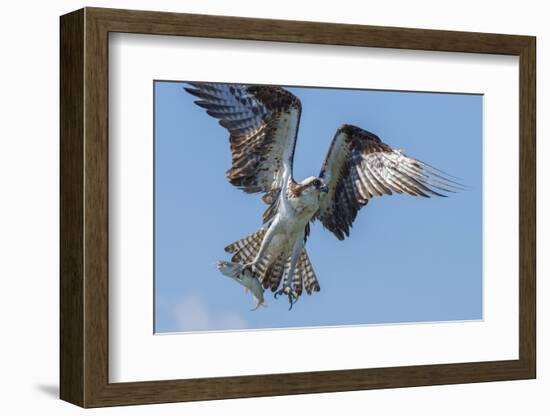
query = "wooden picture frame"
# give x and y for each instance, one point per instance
(84, 207)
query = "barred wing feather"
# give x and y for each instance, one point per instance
(359, 166)
(262, 122)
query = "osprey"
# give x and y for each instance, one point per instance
(263, 123)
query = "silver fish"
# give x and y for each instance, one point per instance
(245, 278)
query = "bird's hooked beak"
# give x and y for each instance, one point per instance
(324, 188)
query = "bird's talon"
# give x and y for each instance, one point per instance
(292, 295)
(292, 299)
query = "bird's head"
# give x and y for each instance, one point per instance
(313, 184)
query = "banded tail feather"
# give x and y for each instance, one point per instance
(246, 249)
(274, 273)
(297, 279)
(309, 277)
(304, 276)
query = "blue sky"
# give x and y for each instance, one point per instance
(407, 259)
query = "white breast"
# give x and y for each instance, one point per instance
(305, 206)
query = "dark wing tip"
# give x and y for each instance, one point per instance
(192, 91)
(199, 85)
(347, 128)
(357, 132)
(274, 97)
(339, 234)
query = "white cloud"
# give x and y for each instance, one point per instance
(233, 321)
(193, 314)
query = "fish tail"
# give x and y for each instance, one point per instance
(263, 304)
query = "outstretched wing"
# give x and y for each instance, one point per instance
(359, 166)
(262, 122)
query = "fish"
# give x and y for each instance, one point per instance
(245, 278)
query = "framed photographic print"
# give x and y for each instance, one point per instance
(256, 207)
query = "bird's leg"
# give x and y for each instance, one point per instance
(262, 251)
(288, 284)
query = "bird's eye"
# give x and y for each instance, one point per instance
(317, 183)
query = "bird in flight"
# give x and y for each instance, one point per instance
(262, 122)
